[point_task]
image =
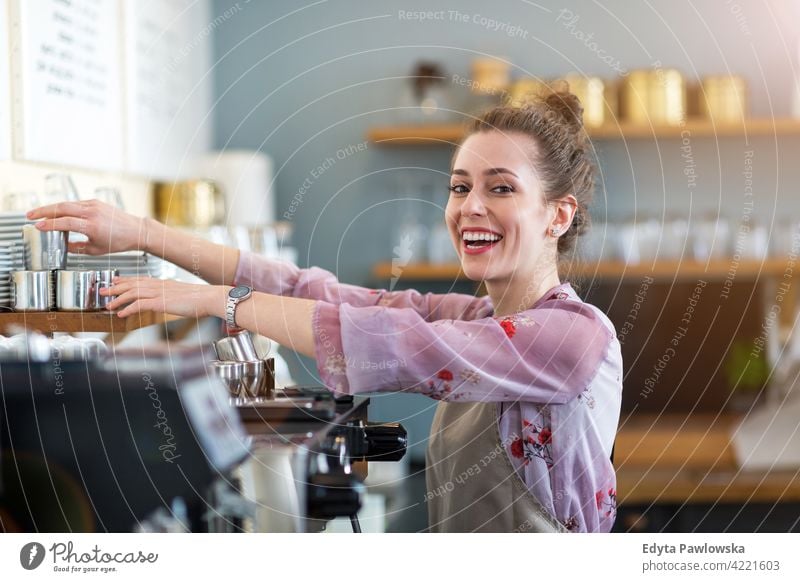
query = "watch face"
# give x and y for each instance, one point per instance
(239, 292)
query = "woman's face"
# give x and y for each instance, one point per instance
(497, 198)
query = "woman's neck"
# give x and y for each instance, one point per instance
(519, 293)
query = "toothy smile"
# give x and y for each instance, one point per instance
(475, 239)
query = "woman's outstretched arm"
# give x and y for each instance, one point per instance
(111, 230)
(545, 355)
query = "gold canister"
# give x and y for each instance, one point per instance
(591, 93)
(634, 95)
(611, 95)
(653, 96)
(723, 98)
(490, 76)
(192, 203)
(668, 97)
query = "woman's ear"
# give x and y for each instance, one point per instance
(565, 208)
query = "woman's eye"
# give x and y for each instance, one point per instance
(502, 189)
(458, 189)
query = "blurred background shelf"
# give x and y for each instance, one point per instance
(663, 270)
(81, 321)
(449, 134)
(673, 458)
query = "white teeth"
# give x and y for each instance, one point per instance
(480, 236)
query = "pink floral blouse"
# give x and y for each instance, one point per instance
(555, 371)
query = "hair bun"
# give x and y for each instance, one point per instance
(565, 104)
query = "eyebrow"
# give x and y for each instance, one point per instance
(488, 172)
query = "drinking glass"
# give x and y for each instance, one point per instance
(60, 188)
(20, 201)
(110, 196)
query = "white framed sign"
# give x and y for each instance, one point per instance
(67, 85)
(168, 85)
(5, 84)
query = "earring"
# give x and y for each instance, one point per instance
(554, 231)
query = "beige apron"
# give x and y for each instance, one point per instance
(472, 486)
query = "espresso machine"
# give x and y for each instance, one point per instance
(152, 440)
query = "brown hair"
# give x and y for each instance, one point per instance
(563, 156)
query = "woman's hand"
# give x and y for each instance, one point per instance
(286, 320)
(139, 294)
(108, 228)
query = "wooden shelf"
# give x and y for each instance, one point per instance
(614, 270)
(405, 135)
(419, 272)
(81, 321)
(450, 134)
(675, 459)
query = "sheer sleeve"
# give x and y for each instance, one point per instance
(281, 278)
(548, 354)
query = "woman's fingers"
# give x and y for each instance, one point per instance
(137, 306)
(129, 296)
(57, 210)
(69, 223)
(124, 296)
(120, 285)
(121, 302)
(83, 248)
(127, 282)
(134, 287)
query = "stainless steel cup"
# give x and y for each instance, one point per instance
(254, 375)
(47, 250)
(238, 347)
(265, 388)
(254, 379)
(105, 278)
(31, 290)
(75, 290)
(231, 374)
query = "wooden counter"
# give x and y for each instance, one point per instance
(678, 458)
(80, 321)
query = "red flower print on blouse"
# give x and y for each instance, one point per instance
(442, 388)
(517, 449)
(536, 443)
(509, 327)
(610, 505)
(545, 436)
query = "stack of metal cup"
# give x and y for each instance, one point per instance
(247, 374)
(34, 288)
(46, 283)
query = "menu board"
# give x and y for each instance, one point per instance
(168, 86)
(69, 83)
(5, 84)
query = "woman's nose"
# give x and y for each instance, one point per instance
(473, 205)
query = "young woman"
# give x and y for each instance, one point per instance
(529, 377)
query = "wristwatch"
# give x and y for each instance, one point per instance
(235, 296)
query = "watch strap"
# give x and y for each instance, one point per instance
(230, 309)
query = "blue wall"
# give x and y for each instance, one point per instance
(302, 81)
